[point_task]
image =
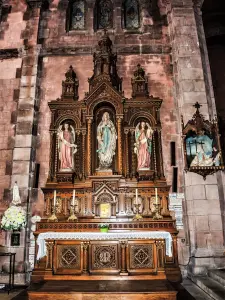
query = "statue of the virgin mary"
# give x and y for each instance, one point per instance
(106, 136)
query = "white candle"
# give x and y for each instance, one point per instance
(54, 203)
(156, 196)
(73, 201)
(136, 196)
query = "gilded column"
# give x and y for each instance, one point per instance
(49, 261)
(56, 158)
(89, 147)
(154, 152)
(133, 154)
(83, 152)
(126, 132)
(119, 119)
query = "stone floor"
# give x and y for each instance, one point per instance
(12, 294)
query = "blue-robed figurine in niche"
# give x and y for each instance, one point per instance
(203, 151)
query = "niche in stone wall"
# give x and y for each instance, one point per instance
(103, 14)
(76, 12)
(130, 13)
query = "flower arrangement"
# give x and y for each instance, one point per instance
(14, 218)
(103, 225)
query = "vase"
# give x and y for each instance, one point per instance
(104, 229)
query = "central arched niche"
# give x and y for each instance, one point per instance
(98, 112)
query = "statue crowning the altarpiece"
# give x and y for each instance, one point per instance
(202, 145)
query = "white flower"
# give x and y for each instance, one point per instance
(35, 219)
(14, 218)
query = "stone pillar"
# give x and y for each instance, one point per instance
(203, 221)
(23, 165)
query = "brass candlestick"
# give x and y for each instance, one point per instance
(137, 216)
(72, 217)
(157, 214)
(53, 217)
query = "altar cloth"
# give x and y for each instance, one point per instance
(84, 236)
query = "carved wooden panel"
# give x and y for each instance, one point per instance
(141, 257)
(68, 257)
(104, 257)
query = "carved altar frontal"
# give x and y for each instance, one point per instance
(106, 166)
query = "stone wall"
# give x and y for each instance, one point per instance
(202, 208)
(9, 87)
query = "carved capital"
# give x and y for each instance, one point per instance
(159, 244)
(126, 131)
(49, 245)
(123, 244)
(85, 245)
(35, 3)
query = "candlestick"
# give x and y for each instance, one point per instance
(54, 201)
(156, 196)
(73, 201)
(136, 202)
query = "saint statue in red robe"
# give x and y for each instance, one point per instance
(143, 145)
(67, 147)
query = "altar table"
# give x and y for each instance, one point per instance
(84, 236)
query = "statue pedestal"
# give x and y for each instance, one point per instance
(146, 174)
(107, 172)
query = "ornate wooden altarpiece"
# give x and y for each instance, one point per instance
(95, 183)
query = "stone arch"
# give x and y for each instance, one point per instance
(76, 15)
(65, 117)
(131, 14)
(103, 14)
(142, 114)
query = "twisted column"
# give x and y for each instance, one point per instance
(126, 132)
(119, 119)
(89, 147)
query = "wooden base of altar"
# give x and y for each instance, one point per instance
(103, 289)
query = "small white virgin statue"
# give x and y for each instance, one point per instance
(106, 136)
(16, 195)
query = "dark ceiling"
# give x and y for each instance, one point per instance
(213, 15)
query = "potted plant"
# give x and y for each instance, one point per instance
(104, 227)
